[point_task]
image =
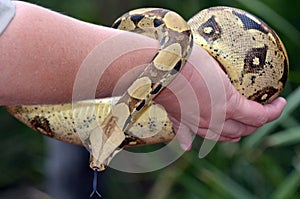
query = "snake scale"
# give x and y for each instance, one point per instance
(248, 51)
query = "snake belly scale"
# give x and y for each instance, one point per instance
(249, 52)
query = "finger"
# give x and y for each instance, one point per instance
(226, 139)
(185, 137)
(211, 135)
(274, 110)
(234, 129)
(231, 130)
(252, 113)
(246, 111)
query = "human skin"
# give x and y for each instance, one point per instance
(41, 52)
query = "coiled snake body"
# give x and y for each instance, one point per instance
(248, 50)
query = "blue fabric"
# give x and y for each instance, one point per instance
(7, 12)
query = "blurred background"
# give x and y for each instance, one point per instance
(263, 165)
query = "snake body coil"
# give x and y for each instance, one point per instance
(249, 52)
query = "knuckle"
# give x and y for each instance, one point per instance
(233, 103)
(262, 119)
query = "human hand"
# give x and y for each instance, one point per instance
(206, 103)
(201, 86)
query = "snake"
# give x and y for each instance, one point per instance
(249, 52)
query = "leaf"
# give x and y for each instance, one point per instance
(212, 175)
(288, 187)
(285, 137)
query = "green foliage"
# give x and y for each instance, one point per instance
(263, 165)
(22, 154)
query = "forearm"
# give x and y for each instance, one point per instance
(41, 52)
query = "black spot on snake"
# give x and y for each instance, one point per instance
(176, 68)
(131, 139)
(141, 105)
(136, 18)
(255, 60)
(154, 56)
(210, 30)
(42, 123)
(253, 79)
(157, 22)
(262, 96)
(127, 122)
(285, 72)
(116, 24)
(156, 89)
(249, 23)
(187, 33)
